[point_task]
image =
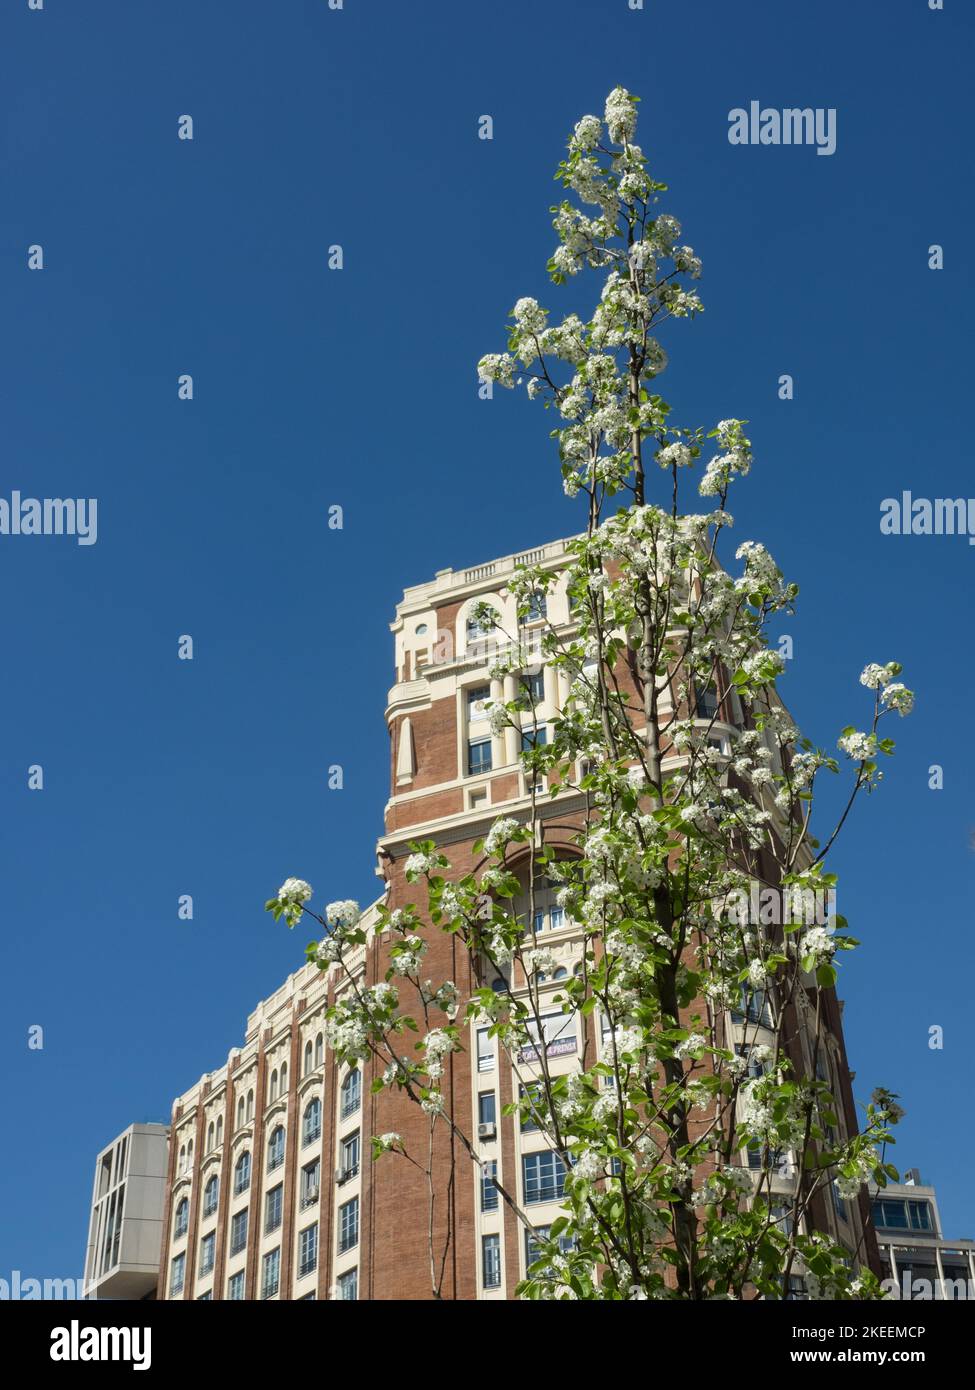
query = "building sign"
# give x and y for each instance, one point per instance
(559, 1047)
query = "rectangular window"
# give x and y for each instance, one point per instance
(477, 700)
(781, 1216)
(307, 1250)
(533, 1250)
(556, 918)
(349, 1158)
(533, 738)
(348, 1285)
(348, 1224)
(271, 1273)
(486, 1108)
(235, 1286)
(310, 1182)
(491, 1261)
(890, 1213)
(775, 1159)
(533, 686)
(177, 1273)
(489, 1188)
(755, 1068)
(707, 703)
(753, 1008)
(238, 1232)
(478, 756)
(895, 1214)
(529, 1124)
(273, 1203)
(543, 1177)
(485, 1050)
(920, 1216)
(207, 1248)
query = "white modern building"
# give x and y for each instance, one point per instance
(919, 1261)
(125, 1230)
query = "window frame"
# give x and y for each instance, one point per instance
(549, 1188)
(348, 1221)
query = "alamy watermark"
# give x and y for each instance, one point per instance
(793, 125)
(19, 1287)
(776, 907)
(50, 516)
(926, 1290)
(908, 515)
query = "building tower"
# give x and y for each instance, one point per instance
(271, 1190)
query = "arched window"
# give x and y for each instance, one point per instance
(210, 1195)
(182, 1218)
(308, 1062)
(250, 1105)
(275, 1149)
(219, 1130)
(274, 1084)
(189, 1154)
(351, 1092)
(181, 1165)
(560, 974)
(209, 1137)
(240, 1112)
(242, 1174)
(284, 1077)
(311, 1125)
(319, 1050)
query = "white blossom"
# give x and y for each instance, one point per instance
(858, 746)
(672, 455)
(898, 697)
(818, 942)
(586, 134)
(500, 834)
(343, 915)
(620, 115)
(294, 890)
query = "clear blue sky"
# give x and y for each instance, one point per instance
(312, 387)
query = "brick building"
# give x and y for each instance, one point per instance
(271, 1190)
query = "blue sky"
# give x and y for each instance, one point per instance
(358, 388)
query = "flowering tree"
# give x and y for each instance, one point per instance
(693, 1154)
